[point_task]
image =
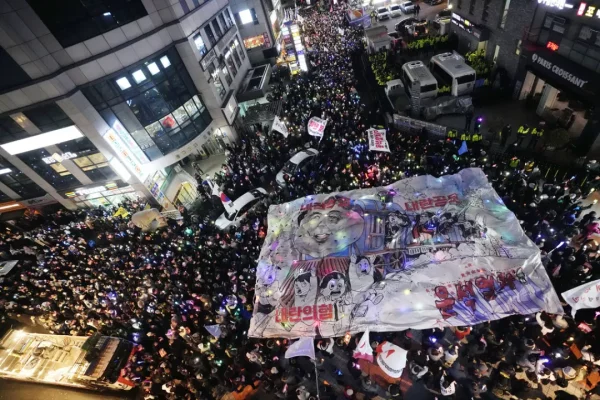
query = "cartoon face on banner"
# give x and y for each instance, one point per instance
(328, 228)
(420, 253)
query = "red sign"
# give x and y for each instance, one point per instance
(552, 46)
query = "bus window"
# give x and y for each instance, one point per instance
(442, 75)
(428, 88)
(466, 79)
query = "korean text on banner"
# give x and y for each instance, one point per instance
(279, 126)
(584, 296)
(420, 253)
(377, 140)
(316, 126)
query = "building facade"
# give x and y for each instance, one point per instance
(559, 68)
(497, 26)
(258, 22)
(106, 97)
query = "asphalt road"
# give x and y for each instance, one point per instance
(427, 12)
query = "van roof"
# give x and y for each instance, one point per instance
(419, 72)
(453, 63)
(303, 154)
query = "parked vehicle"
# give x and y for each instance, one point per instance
(382, 13)
(236, 212)
(407, 7)
(300, 161)
(395, 11)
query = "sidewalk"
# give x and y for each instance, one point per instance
(209, 165)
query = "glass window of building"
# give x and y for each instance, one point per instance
(159, 113)
(55, 176)
(199, 42)
(235, 54)
(223, 22)
(219, 86)
(210, 35)
(87, 157)
(18, 182)
(230, 63)
(48, 117)
(228, 19)
(227, 75)
(216, 27)
(153, 68)
(73, 21)
(10, 130)
(166, 63)
(236, 43)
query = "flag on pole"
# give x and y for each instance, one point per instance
(364, 349)
(279, 126)
(214, 330)
(463, 148)
(302, 347)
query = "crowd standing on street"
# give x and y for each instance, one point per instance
(87, 271)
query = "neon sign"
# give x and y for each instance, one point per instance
(560, 4)
(552, 46)
(587, 10)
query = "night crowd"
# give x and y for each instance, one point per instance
(86, 271)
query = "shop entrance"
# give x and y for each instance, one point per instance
(186, 194)
(556, 106)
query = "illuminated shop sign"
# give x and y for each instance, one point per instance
(559, 4)
(555, 69)
(91, 190)
(54, 158)
(552, 46)
(588, 10)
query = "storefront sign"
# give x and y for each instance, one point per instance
(94, 189)
(552, 46)
(208, 59)
(566, 75)
(560, 4)
(54, 158)
(125, 154)
(131, 144)
(588, 10)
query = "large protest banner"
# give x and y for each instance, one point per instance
(420, 253)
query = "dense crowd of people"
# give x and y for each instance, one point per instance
(88, 271)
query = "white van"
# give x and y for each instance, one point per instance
(416, 75)
(450, 69)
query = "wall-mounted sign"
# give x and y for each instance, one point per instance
(126, 155)
(552, 46)
(208, 59)
(588, 10)
(560, 4)
(92, 190)
(54, 158)
(555, 69)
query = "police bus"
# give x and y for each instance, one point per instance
(418, 80)
(452, 72)
(93, 362)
